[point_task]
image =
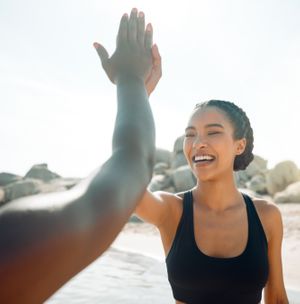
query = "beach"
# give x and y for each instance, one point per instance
(133, 269)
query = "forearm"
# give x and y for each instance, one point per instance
(47, 239)
(134, 130)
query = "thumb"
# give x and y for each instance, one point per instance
(155, 52)
(102, 52)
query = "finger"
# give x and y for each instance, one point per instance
(148, 37)
(132, 26)
(156, 55)
(141, 28)
(102, 52)
(123, 30)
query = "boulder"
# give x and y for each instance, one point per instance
(183, 178)
(178, 145)
(258, 184)
(290, 195)
(159, 182)
(160, 168)
(21, 188)
(241, 178)
(2, 196)
(49, 187)
(178, 160)
(248, 192)
(257, 166)
(282, 175)
(67, 183)
(163, 156)
(7, 178)
(170, 189)
(41, 172)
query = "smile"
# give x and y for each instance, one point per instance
(203, 158)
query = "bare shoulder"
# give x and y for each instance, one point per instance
(157, 207)
(270, 216)
(174, 202)
(175, 207)
(172, 199)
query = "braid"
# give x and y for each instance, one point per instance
(242, 129)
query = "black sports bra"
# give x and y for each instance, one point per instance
(197, 278)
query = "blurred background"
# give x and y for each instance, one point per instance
(58, 107)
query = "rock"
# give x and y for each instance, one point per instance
(178, 160)
(178, 145)
(282, 175)
(41, 172)
(257, 166)
(248, 192)
(160, 168)
(7, 178)
(258, 184)
(21, 188)
(241, 178)
(67, 183)
(290, 195)
(163, 156)
(159, 182)
(48, 187)
(2, 196)
(183, 178)
(170, 189)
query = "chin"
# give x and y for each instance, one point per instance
(205, 177)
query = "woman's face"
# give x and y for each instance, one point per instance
(209, 144)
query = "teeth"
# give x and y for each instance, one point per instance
(203, 157)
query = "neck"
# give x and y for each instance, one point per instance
(217, 195)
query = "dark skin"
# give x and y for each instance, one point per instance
(46, 239)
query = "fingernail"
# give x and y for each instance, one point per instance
(125, 15)
(96, 45)
(134, 10)
(141, 15)
(149, 27)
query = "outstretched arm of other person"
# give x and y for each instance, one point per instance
(46, 239)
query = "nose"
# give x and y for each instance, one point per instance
(199, 143)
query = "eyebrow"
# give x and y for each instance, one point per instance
(206, 126)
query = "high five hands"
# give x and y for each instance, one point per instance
(135, 56)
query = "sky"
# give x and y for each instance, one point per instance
(58, 107)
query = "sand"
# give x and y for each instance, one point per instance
(133, 269)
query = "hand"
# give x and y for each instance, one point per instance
(156, 71)
(133, 56)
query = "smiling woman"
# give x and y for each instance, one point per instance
(208, 259)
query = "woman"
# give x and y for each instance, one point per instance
(221, 245)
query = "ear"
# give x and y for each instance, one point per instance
(241, 146)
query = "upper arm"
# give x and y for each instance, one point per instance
(154, 207)
(274, 290)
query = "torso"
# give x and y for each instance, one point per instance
(216, 234)
(221, 236)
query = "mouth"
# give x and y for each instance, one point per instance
(204, 159)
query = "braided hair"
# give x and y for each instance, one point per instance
(242, 129)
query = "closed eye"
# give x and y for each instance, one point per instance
(189, 134)
(213, 133)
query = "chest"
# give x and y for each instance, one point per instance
(222, 235)
(218, 252)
